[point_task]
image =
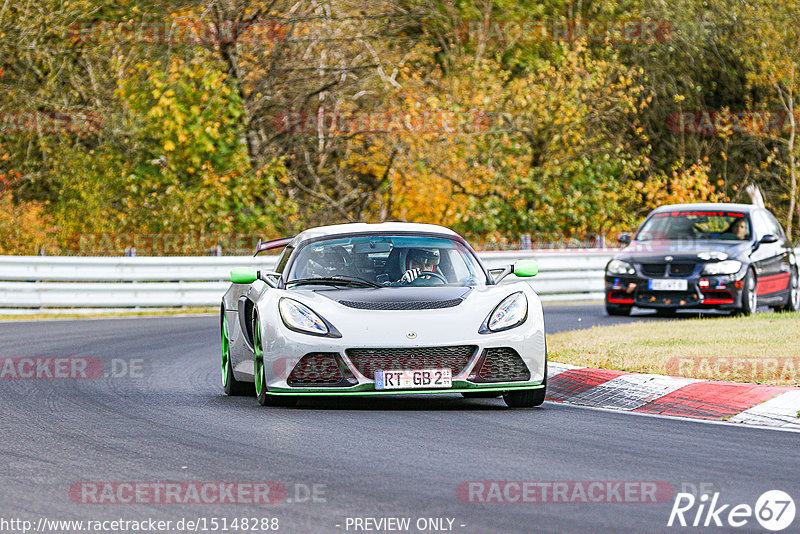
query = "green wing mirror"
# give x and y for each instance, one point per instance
(243, 275)
(522, 268)
(526, 268)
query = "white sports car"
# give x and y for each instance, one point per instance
(382, 309)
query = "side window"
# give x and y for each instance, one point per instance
(283, 259)
(774, 226)
(760, 225)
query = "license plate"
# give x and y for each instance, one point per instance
(414, 379)
(668, 285)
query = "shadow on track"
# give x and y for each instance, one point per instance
(376, 403)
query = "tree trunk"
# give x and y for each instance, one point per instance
(792, 165)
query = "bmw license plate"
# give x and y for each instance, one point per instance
(668, 285)
(414, 379)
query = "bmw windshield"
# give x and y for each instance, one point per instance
(386, 261)
(696, 224)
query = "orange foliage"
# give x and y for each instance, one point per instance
(23, 227)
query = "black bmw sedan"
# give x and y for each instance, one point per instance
(724, 256)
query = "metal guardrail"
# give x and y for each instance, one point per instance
(44, 282)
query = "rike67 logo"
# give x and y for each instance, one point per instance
(774, 510)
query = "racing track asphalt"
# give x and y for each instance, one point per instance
(376, 457)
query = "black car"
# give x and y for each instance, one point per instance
(724, 256)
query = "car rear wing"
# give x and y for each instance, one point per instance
(272, 245)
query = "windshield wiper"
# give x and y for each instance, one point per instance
(334, 280)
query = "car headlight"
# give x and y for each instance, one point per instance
(722, 267)
(297, 316)
(712, 255)
(511, 312)
(620, 267)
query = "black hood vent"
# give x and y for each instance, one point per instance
(402, 305)
(398, 298)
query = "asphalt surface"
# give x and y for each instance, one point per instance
(168, 421)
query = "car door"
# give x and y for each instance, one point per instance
(783, 251)
(772, 259)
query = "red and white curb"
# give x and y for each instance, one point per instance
(734, 402)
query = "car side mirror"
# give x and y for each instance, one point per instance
(769, 238)
(244, 275)
(522, 268)
(624, 238)
(526, 268)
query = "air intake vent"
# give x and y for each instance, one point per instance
(500, 365)
(320, 369)
(410, 305)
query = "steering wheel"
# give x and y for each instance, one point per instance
(432, 275)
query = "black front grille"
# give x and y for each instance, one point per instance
(654, 269)
(367, 361)
(500, 365)
(318, 369)
(681, 269)
(399, 305)
(672, 269)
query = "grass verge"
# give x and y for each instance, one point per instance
(763, 349)
(138, 313)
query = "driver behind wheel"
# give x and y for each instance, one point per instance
(418, 262)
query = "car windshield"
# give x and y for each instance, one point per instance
(696, 224)
(383, 260)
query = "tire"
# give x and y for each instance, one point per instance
(793, 300)
(527, 398)
(230, 385)
(481, 395)
(618, 310)
(259, 373)
(749, 297)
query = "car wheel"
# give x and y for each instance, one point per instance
(524, 399)
(615, 309)
(749, 297)
(230, 385)
(793, 302)
(481, 394)
(259, 373)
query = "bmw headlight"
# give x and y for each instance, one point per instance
(722, 267)
(511, 312)
(620, 267)
(299, 317)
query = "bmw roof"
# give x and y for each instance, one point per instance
(709, 206)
